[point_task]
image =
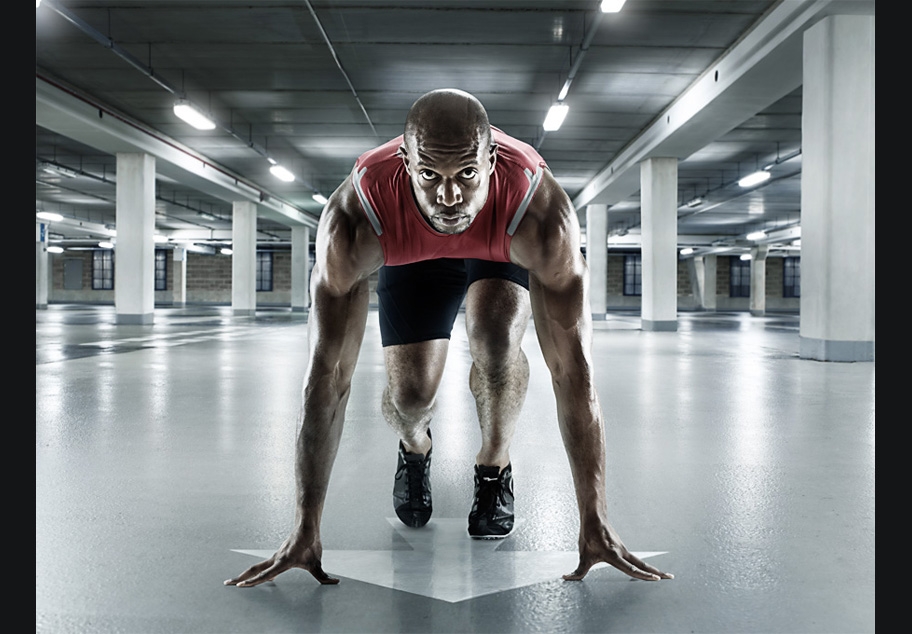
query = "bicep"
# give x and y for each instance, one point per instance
(346, 256)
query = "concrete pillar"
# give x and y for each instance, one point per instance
(597, 258)
(300, 269)
(243, 258)
(134, 250)
(705, 273)
(659, 214)
(41, 266)
(179, 274)
(758, 280)
(837, 190)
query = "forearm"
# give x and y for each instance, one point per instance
(337, 328)
(583, 433)
(564, 329)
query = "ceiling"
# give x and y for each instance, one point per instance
(313, 84)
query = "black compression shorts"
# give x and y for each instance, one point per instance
(419, 302)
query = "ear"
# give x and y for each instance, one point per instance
(492, 157)
(404, 154)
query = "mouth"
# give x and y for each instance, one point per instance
(450, 219)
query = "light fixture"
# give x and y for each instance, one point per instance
(686, 251)
(320, 198)
(55, 249)
(281, 173)
(754, 179)
(226, 251)
(49, 216)
(756, 235)
(556, 115)
(106, 245)
(745, 257)
(612, 6)
(186, 111)
(694, 202)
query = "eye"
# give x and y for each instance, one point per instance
(427, 175)
(469, 173)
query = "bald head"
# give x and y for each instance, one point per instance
(449, 156)
(447, 116)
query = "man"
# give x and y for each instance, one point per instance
(451, 187)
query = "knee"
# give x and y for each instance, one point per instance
(495, 346)
(410, 401)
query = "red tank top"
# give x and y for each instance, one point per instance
(384, 189)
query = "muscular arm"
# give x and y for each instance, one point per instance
(547, 244)
(347, 253)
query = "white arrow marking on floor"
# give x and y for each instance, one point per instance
(446, 564)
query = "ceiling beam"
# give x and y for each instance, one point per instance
(758, 70)
(67, 112)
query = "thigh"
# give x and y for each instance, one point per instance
(497, 314)
(419, 302)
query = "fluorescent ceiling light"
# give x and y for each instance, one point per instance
(320, 198)
(612, 6)
(686, 251)
(754, 179)
(281, 173)
(55, 249)
(746, 256)
(106, 245)
(186, 111)
(47, 215)
(226, 251)
(555, 118)
(756, 235)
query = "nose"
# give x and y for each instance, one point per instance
(449, 193)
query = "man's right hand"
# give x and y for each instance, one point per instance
(298, 551)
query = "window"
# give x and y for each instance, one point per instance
(161, 270)
(103, 270)
(633, 275)
(791, 277)
(264, 271)
(740, 278)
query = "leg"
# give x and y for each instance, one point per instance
(497, 313)
(413, 373)
(418, 305)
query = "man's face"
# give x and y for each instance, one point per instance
(450, 180)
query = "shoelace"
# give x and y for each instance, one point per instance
(414, 473)
(489, 490)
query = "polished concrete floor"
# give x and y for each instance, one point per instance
(164, 459)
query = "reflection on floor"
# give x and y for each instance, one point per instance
(164, 457)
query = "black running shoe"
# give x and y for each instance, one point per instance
(412, 488)
(492, 510)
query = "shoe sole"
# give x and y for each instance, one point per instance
(490, 537)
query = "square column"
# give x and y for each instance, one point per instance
(705, 268)
(659, 213)
(758, 280)
(41, 266)
(597, 258)
(134, 250)
(300, 269)
(179, 261)
(243, 258)
(837, 190)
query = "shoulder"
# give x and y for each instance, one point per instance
(347, 248)
(547, 241)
